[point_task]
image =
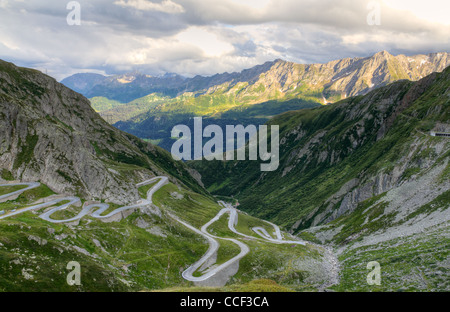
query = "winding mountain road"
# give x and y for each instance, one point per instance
(29, 186)
(213, 248)
(214, 244)
(74, 200)
(262, 232)
(188, 274)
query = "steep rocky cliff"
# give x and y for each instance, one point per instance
(51, 134)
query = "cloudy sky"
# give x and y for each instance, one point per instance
(205, 37)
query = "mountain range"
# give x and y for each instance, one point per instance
(149, 107)
(337, 79)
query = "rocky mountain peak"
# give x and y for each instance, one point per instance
(382, 54)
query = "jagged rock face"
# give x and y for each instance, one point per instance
(389, 105)
(51, 134)
(347, 77)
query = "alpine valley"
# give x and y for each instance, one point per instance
(363, 177)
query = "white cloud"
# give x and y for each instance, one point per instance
(204, 40)
(254, 4)
(166, 6)
(211, 36)
(435, 11)
(3, 4)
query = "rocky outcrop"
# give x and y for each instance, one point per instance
(51, 134)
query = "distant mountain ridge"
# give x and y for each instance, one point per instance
(82, 83)
(131, 86)
(328, 82)
(252, 96)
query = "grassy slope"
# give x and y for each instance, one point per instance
(414, 263)
(280, 263)
(9, 189)
(143, 251)
(129, 256)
